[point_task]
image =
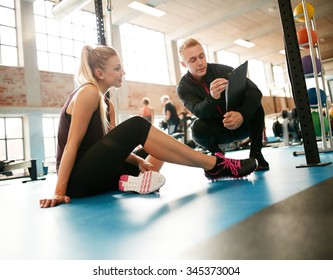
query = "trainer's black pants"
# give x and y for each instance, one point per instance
(209, 133)
(99, 169)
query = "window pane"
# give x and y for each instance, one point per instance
(48, 128)
(52, 27)
(76, 63)
(53, 44)
(11, 143)
(55, 62)
(140, 64)
(67, 46)
(77, 18)
(258, 76)
(14, 128)
(56, 124)
(228, 58)
(49, 147)
(65, 37)
(39, 8)
(2, 150)
(9, 56)
(90, 37)
(15, 149)
(8, 36)
(78, 32)
(48, 8)
(7, 3)
(78, 48)
(68, 64)
(66, 30)
(89, 20)
(278, 76)
(42, 60)
(41, 42)
(2, 128)
(7, 17)
(40, 24)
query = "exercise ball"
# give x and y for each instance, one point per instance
(307, 65)
(299, 12)
(302, 37)
(316, 123)
(313, 100)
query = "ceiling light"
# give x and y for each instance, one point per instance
(146, 9)
(244, 43)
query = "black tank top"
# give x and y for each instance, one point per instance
(93, 134)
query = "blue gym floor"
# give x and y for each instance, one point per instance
(187, 213)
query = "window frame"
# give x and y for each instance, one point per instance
(4, 138)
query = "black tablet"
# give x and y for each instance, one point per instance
(235, 89)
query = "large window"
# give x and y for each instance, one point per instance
(278, 76)
(256, 72)
(228, 58)
(50, 129)
(11, 139)
(8, 38)
(59, 42)
(280, 86)
(144, 54)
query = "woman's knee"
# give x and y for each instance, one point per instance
(137, 121)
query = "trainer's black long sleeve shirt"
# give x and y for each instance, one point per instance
(198, 101)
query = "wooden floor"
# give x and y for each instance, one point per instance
(270, 215)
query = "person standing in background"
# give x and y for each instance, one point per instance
(170, 115)
(147, 111)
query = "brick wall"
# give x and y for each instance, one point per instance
(55, 88)
(137, 91)
(12, 86)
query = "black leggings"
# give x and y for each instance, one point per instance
(99, 169)
(211, 132)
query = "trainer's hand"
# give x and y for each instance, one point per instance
(232, 120)
(217, 86)
(54, 201)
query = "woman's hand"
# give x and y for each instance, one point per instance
(145, 166)
(54, 201)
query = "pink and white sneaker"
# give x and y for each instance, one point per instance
(147, 182)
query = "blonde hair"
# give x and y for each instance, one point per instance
(187, 43)
(165, 98)
(92, 59)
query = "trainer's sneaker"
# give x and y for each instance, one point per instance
(230, 168)
(262, 163)
(147, 182)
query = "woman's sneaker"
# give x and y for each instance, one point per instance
(231, 168)
(147, 182)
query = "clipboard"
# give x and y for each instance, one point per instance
(234, 92)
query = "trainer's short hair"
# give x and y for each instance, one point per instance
(187, 43)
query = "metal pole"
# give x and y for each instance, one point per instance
(296, 75)
(100, 23)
